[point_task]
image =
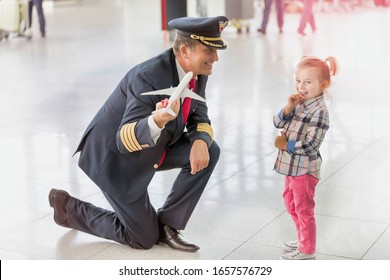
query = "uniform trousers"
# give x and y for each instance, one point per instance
(299, 201)
(136, 224)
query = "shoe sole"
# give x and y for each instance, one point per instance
(51, 197)
(51, 203)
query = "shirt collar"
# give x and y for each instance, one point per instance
(180, 70)
(313, 102)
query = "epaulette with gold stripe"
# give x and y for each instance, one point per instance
(205, 127)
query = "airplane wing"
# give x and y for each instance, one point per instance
(165, 91)
(168, 91)
(189, 93)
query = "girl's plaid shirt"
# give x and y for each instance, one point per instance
(305, 128)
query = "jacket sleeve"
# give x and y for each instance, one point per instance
(280, 120)
(199, 125)
(134, 134)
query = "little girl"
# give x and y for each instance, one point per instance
(304, 122)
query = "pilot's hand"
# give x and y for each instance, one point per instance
(161, 117)
(199, 156)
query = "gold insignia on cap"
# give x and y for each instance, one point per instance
(222, 25)
(206, 40)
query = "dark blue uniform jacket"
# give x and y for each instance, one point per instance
(117, 151)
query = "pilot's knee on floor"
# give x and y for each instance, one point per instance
(146, 241)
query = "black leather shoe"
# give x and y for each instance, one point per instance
(171, 237)
(58, 199)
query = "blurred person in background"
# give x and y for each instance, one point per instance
(41, 16)
(279, 14)
(307, 16)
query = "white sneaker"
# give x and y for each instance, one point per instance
(290, 245)
(297, 255)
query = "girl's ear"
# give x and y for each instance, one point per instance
(324, 84)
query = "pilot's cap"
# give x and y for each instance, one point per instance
(206, 30)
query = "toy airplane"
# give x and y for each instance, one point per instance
(176, 92)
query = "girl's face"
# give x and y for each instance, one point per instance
(307, 82)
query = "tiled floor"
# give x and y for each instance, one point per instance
(51, 88)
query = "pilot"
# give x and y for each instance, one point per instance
(129, 140)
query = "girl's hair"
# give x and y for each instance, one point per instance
(328, 67)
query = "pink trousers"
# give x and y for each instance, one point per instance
(298, 198)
